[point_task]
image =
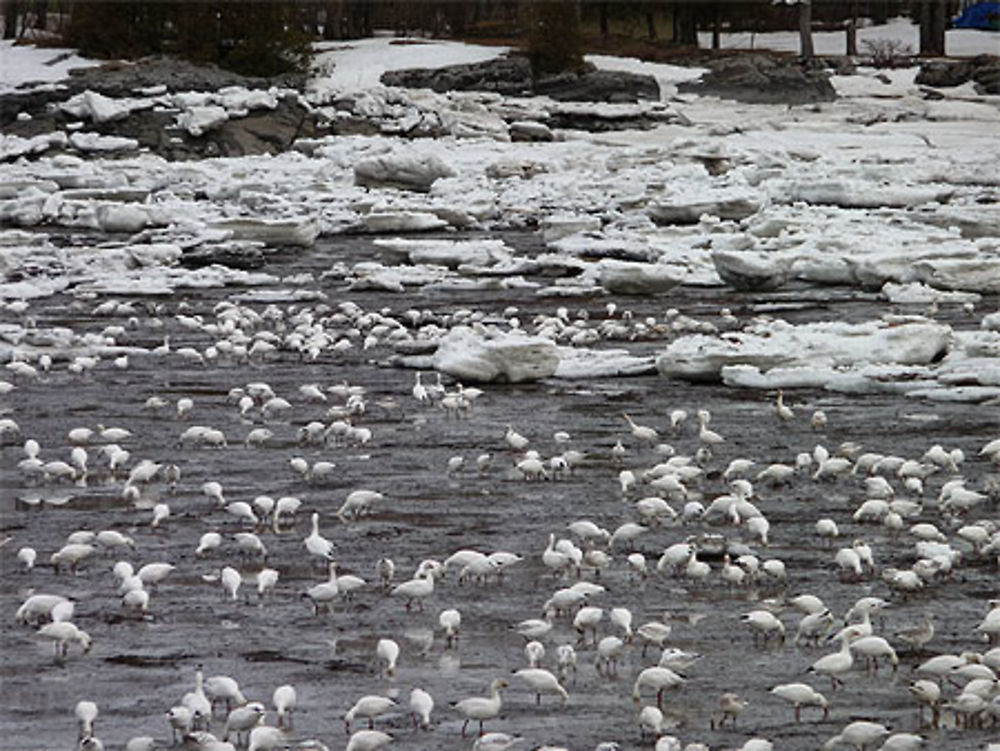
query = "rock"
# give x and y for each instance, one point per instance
(511, 76)
(627, 278)
(402, 171)
(599, 86)
(758, 79)
(482, 356)
(751, 271)
(983, 69)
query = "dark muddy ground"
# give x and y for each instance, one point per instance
(138, 669)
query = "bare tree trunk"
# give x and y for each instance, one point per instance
(852, 30)
(716, 29)
(10, 12)
(933, 20)
(805, 29)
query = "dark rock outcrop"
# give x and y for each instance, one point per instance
(983, 69)
(757, 79)
(511, 76)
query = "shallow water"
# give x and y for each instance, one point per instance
(138, 669)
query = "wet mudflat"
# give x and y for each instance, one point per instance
(139, 668)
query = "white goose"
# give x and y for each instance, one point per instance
(541, 681)
(315, 543)
(481, 708)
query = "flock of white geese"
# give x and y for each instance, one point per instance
(666, 479)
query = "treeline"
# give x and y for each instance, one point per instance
(266, 37)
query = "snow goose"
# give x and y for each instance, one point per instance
(387, 651)
(837, 663)
(153, 573)
(451, 621)
(60, 633)
(264, 738)
(861, 734)
(368, 740)
(421, 705)
(650, 718)
(654, 632)
(86, 714)
(222, 688)
(317, 545)
(730, 706)
(534, 651)
(782, 410)
(610, 650)
(554, 560)
(916, 637)
(927, 693)
(284, 700)
(415, 590)
(26, 557)
(198, 703)
(515, 440)
(541, 681)
(209, 541)
(657, 678)
(179, 719)
(243, 719)
(71, 554)
(587, 617)
(873, 647)
(324, 594)
(368, 706)
(535, 628)
(642, 433)
(385, 569)
(481, 708)
(765, 624)
(801, 695)
(903, 742)
(566, 661)
(357, 503)
(496, 742)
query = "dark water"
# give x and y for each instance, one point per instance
(138, 669)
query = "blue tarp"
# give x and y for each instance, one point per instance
(979, 16)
